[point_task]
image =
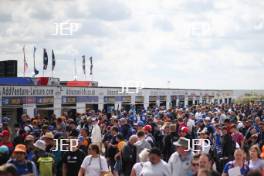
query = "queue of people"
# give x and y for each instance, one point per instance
(200, 140)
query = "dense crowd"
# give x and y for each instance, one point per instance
(200, 140)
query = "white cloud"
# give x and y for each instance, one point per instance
(192, 44)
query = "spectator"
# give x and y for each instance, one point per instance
(238, 162)
(5, 135)
(29, 140)
(96, 136)
(195, 164)
(72, 160)
(143, 157)
(4, 154)
(8, 170)
(94, 164)
(142, 143)
(45, 161)
(255, 162)
(23, 166)
(181, 158)
(128, 155)
(155, 166)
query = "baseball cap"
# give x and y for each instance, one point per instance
(4, 149)
(147, 128)
(184, 129)
(4, 133)
(20, 148)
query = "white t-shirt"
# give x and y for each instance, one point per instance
(160, 169)
(259, 164)
(96, 135)
(92, 165)
(138, 168)
(190, 124)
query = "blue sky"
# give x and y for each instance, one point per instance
(191, 43)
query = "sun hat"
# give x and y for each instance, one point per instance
(182, 142)
(40, 144)
(20, 148)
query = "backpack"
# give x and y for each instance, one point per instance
(45, 166)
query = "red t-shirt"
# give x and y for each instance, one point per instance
(8, 144)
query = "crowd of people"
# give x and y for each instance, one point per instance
(199, 140)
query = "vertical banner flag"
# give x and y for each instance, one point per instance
(83, 65)
(53, 60)
(25, 61)
(34, 57)
(91, 66)
(45, 59)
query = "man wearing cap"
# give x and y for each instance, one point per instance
(23, 166)
(5, 140)
(4, 154)
(149, 137)
(42, 158)
(49, 140)
(180, 161)
(29, 140)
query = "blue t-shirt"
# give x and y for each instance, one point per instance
(243, 170)
(23, 168)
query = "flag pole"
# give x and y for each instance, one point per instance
(24, 60)
(34, 61)
(75, 70)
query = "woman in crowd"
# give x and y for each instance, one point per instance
(237, 165)
(143, 157)
(255, 162)
(94, 164)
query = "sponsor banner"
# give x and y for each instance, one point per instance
(181, 97)
(123, 99)
(29, 100)
(18, 100)
(127, 99)
(119, 98)
(153, 98)
(44, 100)
(109, 99)
(163, 98)
(88, 99)
(68, 100)
(13, 91)
(78, 91)
(139, 99)
(12, 101)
